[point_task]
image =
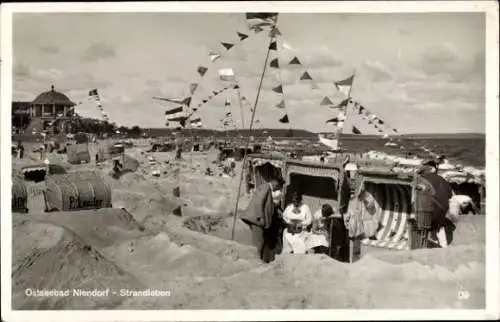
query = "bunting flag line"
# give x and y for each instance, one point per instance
(227, 45)
(306, 76)
(274, 63)
(345, 85)
(242, 36)
(326, 101)
(295, 61)
(284, 119)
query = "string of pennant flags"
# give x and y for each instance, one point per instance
(93, 93)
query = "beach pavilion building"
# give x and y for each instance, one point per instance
(44, 109)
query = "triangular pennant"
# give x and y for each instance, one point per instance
(178, 210)
(187, 101)
(273, 46)
(361, 109)
(214, 56)
(227, 45)
(278, 89)
(380, 121)
(295, 61)
(204, 101)
(242, 36)
(394, 130)
(215, 93)
(284, 119)
(210, 97)
(326, 101)
(342, 104)
(195, 108)
(192, 88)
(274, 63)
(355, 130)
(237, 87)
(93, 92)
(345, 82)
(243, 98)
(257, 29)
(380, 130)
(274, 32)
(228, 102)
(174, 110)
(334, 120)
(202, 70)
(281, 104)
(314, 86)
(306, 76)
(228, 114)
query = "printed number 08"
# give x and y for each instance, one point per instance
(463, 295)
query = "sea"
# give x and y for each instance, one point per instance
(463, 151)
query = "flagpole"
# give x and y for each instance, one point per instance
(248, 137)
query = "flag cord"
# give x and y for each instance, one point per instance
(248, 138)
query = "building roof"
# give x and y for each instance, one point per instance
(53, 97)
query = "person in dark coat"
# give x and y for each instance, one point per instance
(20, 150)
(263, 218)
(432, 197)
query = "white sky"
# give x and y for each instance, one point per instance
(419, 72)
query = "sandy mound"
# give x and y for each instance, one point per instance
(221, 226)
(99, 228)
(49, 257)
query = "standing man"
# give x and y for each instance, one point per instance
(259, 216)
(20, 150)
(431, 199)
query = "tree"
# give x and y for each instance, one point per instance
(135, 131)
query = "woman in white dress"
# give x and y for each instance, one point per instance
(317, 241)
(297, 217)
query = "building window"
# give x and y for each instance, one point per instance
(59, 110)
(47, 110)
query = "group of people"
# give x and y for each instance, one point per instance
(294, 229)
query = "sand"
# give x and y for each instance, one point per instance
(150, 248)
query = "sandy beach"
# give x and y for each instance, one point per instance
(147, 247)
